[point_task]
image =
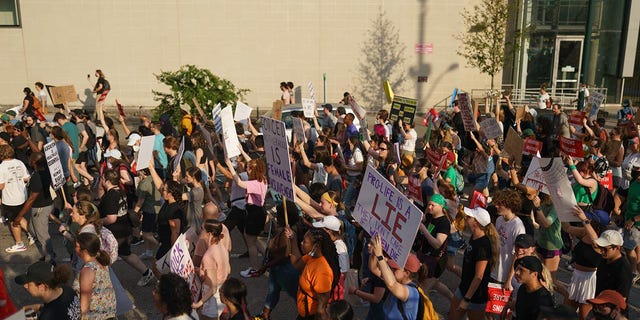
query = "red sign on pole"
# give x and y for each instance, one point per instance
(532, 146)
(437, 159)
(572, 147)
(415, 192)
(424, 48)
(575, 119)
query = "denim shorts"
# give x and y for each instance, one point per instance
(631, 238)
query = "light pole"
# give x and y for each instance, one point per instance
(324, 88)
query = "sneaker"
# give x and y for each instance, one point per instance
(31, 240)
(77, 185)
(249, 273)
(145, 280)
(137, 241)
(146, 256)
(636, 277)
(16, 248)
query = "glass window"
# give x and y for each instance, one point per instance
(9, 13)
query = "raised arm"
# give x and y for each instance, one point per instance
(235, 175)
(399, 290)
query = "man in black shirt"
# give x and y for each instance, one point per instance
(614, 271)
(532, 294)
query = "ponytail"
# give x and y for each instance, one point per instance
(492, 234)
(61, 275)
(545, 278)
(103, 258)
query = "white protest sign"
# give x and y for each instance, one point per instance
(312, 94)
(382, 209)
(357, 109)
(595, 101)
(243, 112)
(215, 116)
(178, 158)
(146, 152)
(308, 107)
(491, 128)
(55, 167)
(534, 178)
(21, 315)
(555, 175)
(229, 135)
(276, 151)
(178, 261)
(298, 130)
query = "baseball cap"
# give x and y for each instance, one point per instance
(527, 133)
(610, 238)
(480, 214)
(185, 108)
(412, 265)
(39, 272)
(626, 103)
(11, 113)
(529, 262)
(525, 241)
(113, 153)
(609, 296)
(329, 222)
(5, 136)
(133, 138)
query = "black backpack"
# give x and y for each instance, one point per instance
(91, 142)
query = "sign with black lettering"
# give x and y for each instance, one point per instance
(276, 151)
(55, 167)
(403, 108)
(382, 209)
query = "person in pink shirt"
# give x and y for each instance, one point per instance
(214, 270)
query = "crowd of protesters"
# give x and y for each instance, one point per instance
(511, 238)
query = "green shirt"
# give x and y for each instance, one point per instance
(452, 176)
(580, 192)
(146, 190)
(633, 202)
(550, 238)
(72, 132)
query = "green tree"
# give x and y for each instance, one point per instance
(483, 42)
(190, 82)
(383, 58)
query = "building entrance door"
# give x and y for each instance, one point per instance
(566, 65)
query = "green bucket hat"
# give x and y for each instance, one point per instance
(439, 199)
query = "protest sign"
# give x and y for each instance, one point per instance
(403, 108)
(594, 103)
(120, 108)
(533, 178)
(607, 180)
(396, 152)
(243, 112)
(453, 97)
(514, 145)
(55, 167)
(382, 209)
(358, 111)
(63, 94)
(498, 298)
(555, 176)
(178, 158)
(478, 200)
(312, 93)
(298, 130)
(531, 147)
(215, 115)
(145, 154)
(520, 113)
(491, 128)
(277, 154)
(364, 132)
(575, 119)
(388, 92)
(229, 135)
(22, 315)
(436, 158)
(466, 111)
(178, 261)
(276, 110)
(414, 190)
(572, 147)
(308, 107)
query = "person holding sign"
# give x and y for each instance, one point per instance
(13, 179)
(408, 146)
(533, 293)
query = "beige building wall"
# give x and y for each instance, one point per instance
(254, 44)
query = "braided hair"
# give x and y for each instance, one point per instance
(328, 248)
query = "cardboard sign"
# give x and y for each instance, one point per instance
(146, 152)
(229, 134)
(215, 115)
(277, 155)
(498, 298)
(308, 107)
(594, 103)
(414, 189)
(63, 94)
(466, 110)
(382, 209)
(55, 167)
(514, 145)
(491, 128)
(276, 110)
(403, 108)
(388, 92)
(572, 147)
(436, 158)
(120, 108)
(298, 130)
(478, 200)
(534, 178)
(575, 119)
(358, 111)
(555, 176)
(178, 261)
(607, 180)
(520, 113)
(531, 146)
(243, 112)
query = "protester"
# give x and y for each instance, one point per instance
(608, 304)
(533, 294)
(93, 284)
(214, 270)
(233, 294)
(172, 297)
(13, 178)
(49, 284)
(101, 88)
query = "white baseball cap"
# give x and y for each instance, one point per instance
(133, 138)
(113, 153)
(610, 238)
(480, 214)
(329, 222)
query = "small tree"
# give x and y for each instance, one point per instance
(190, 82)
(383, 57)
(483, 43)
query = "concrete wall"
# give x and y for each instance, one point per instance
(254, 44)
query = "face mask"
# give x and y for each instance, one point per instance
(136, 148)
(312, 253)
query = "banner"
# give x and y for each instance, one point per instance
(229, 134)
(466, 110)
(382, 209)
(491, 128)
(531, 147)
(513, 145)
(358, 111)
(534, 178)
(498, 298)
(555, 176)
(145, 154)
(478, 200)
(594, 103)
(572, 147)
(243, 112)
(414, 189)
(55, 167)
(276, 151)
(63, 94)
(178, 261)
(520, 113)
(436, 158)
(403, 108)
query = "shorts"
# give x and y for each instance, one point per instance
(124, 246)
(631, 238)
(103, 95)
(479, 180)
(235, 218)
(547, 254)
(583, 286)
(454, 243)
(11, 212)
(214, 306)
(148, 222)
(254, 220)
(471, 306)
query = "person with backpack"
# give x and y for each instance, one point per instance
(625, 114)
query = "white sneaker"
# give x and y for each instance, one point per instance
(249, 273)
(16, 248)
(146, 256)
(145, 280)
(31, 240)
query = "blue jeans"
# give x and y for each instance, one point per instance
(282, 277)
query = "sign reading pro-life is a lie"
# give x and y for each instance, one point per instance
(382, 209)
(276, 151)
(55, 167)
